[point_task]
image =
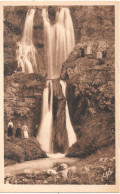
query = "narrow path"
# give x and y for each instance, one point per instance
(40, 164)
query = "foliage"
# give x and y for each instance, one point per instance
(9, 68)
(23, 149)
(31, 149)
(93, 135)
(90, 143)
(13, 151)
(100, 172)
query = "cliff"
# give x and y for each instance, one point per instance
(91, 101)
(23, 100)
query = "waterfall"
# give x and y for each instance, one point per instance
(45, 130)
(26, 50)
(70, 131)
(59, 41)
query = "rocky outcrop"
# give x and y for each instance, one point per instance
(23, 100)
(60, 138)
(21, 150)
(91, 100)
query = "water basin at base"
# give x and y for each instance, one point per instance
(57, 155)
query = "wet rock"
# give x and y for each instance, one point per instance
(63, 166)
(64, 173)
(72, 170)
(60, 138)
(51, 172)
(36, 172)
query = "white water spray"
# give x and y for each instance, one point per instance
(45, 130)
(70, 131)
(26, 50)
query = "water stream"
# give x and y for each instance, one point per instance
(70, 131)
(45, 129)
(26, 51)
(59, 40)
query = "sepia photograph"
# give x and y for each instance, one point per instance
(59, 94)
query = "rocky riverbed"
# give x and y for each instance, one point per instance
(96, 169)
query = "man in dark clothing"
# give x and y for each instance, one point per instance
(18, 131)
(10, 128)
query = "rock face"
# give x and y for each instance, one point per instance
(90, 95)
(93, 22)
(23, 100)
(60, 138)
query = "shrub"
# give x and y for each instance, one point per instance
(31, 148)
(96, 133)
(13, 151)
(23, 149)
(90, 142)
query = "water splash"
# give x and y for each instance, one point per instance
(45, 130)
(70, 131)
(26, 51)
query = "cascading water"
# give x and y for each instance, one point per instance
(26, 50)
(65, 40)
(71, 134)
(45, 132)
(59, 42)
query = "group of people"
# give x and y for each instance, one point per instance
(21, 131)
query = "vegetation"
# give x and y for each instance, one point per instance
(92, 170)
(23, 149)
(13, 151)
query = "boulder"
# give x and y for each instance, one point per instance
(22, 150)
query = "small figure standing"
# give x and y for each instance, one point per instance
(10, 128)
(25, 131)
(36, 130)
(82, 52)
(104, 54)
(18, 131)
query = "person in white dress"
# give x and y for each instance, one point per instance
(25, 131)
